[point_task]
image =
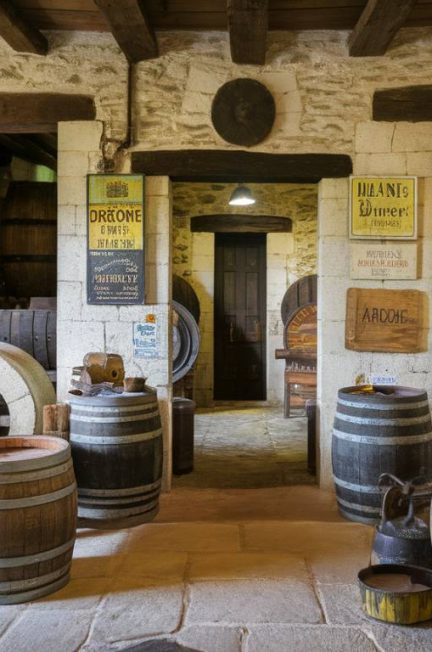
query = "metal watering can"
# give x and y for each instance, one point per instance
(401, 537)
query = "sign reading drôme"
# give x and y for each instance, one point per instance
(115, 234)
(383, 207)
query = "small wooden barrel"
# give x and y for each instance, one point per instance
(38, 507)
(117, 451)
(385, 432)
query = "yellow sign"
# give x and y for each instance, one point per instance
(383, 207)
(115, 213)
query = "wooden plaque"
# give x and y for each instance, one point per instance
(392, 321)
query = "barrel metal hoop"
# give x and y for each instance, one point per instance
(15, 585)
(35, 501)
(92, 419)
(124, 500)
(359, 508)
(130, 491)
(361, 488)
(115, 439)
(46, 555)
(404, 440)
(115, 410)
(366, 421)
(36, 464)
(98, 513)
(26, 596)
(383, 406)
(13, 478)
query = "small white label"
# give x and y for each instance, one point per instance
(387, 260)
(146, 338)
(381, 379)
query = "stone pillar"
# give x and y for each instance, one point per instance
(81, 327)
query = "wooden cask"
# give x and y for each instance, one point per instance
(388, 431)
(28, 242)
(34, 331)
(38, 507)
(117, 451)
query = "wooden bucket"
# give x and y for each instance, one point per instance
(38, 508)
(117, 451)
(388, 432)
(34, 331)
(28, 242)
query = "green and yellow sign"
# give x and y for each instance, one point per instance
(383, 207)
(115, 230)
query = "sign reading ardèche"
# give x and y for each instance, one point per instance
(393, 321)
(383, 207)
(388, 260)
(115, 234)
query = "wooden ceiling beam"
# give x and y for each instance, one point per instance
(130, 27)
(40, 112)
(247, 27)
(377, 26)
(19, 34)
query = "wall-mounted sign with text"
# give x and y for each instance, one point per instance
(115, 237)
(383, 207)
(386, 260)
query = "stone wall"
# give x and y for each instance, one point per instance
(289, 256)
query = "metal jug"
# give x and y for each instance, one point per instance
(401, 537)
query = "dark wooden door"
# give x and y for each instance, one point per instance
(240, 317)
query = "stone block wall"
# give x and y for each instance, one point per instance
(289, 256)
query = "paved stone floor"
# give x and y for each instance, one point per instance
(220, 570)
(248, 447)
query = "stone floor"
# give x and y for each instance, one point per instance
(248, 448)
(229, 569)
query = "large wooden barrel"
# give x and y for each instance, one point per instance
(387, 431)
(37, 516)
(183, 293)
(117, 451)
(186, 341)
(28, 242)
(34, 331)
(301, 293)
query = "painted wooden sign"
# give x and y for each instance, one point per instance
(387, 260)
(115, 236)
(393, 321)
(383, 207)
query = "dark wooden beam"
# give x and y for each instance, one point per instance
(18, 33)
(377, 26)
(40, 112)
(130, 27)
(409, 104)
(247, 27)
(238, 165)
(27, 149)
(234, 223)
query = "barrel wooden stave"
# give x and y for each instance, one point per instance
(34, 331)
(38, 509)
(118, 452)
(373, 435)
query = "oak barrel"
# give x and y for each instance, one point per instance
(34, 331)
(38, 509)
(186, 341)
(28, 242)
(386, 431)
(117, 451)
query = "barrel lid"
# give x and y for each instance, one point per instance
(180, 402)
(28, 452)
(382, 394)
(116, 400)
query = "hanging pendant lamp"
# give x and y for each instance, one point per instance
(242, 196)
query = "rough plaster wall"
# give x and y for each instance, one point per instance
(289, 256)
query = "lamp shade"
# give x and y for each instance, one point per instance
(241, 196)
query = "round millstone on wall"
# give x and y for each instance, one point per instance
(25, 388)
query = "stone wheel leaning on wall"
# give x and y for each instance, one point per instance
(25, 388)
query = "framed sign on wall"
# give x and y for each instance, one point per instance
(115, 239)
(383, 207)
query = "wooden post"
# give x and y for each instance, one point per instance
(56, 420)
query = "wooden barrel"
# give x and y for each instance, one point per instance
(28, 242)
(186, 341)
(388, 431)
(183, 293)
(34, 331)
(38, 508)
(299, 294)
(117, 451)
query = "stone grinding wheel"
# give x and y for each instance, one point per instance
(243, 112)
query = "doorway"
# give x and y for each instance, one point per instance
(240, 317)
